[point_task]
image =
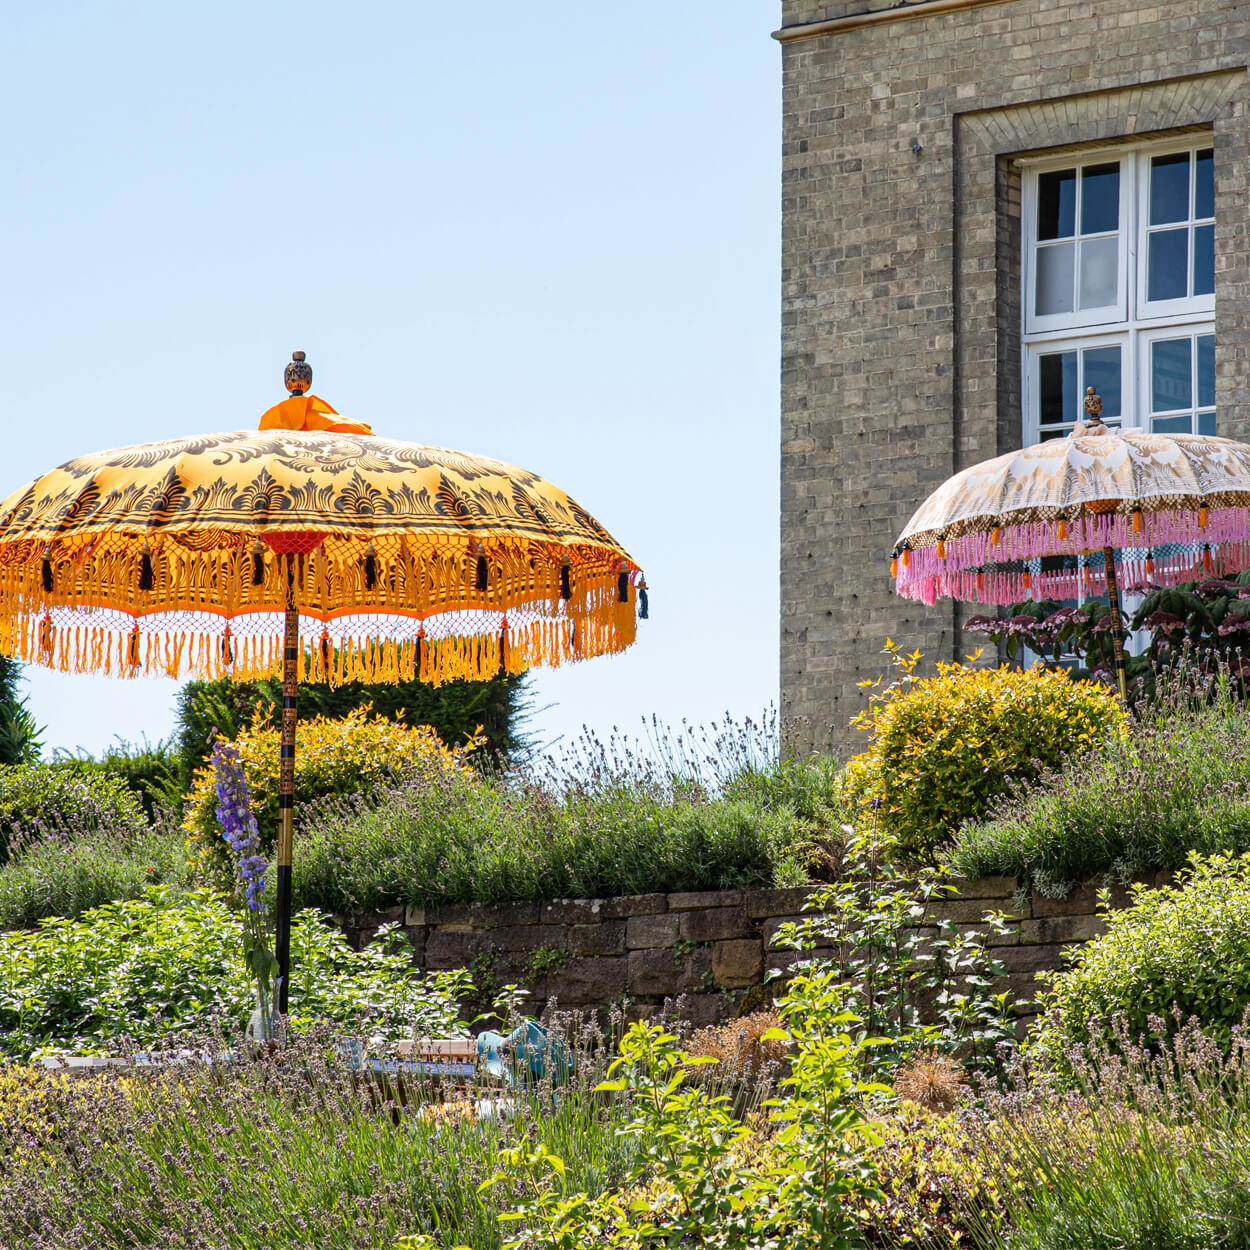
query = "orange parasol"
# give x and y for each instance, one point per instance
(312, 548)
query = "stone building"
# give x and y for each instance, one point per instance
(988, 206)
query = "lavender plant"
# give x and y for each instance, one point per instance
(177, 1157)
(1142, 1145)
(239, 828)
(1179, 783)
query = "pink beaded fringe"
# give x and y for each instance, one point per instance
(971, 569)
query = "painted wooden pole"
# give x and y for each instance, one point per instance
(1117, 625)
(286, 788)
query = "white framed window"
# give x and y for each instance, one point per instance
(1178, 381)
(1176, 259)
(1118, 288)
(1077, 246)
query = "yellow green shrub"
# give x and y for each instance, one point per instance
(357, 754)
(934, 1185)
(945, 747)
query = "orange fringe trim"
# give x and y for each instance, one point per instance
(588, 630)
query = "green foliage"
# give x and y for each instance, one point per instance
(36, 798)
(812, 788)
(457, 711)
(66, 876)
(1176, 952)
(357, 754)
(151, 771)
(448, 837)
(927, 983)
(695, 1183)
(945, 747)
(1140, 1147)
(19, 733)
(1180, 784)
(161, 963)
(1207, 621)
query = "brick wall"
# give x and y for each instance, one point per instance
(710, 947)
(900, 271)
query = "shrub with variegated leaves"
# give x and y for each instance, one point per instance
(945, 747)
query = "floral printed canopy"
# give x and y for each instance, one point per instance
(408, 561)
(1174, 506)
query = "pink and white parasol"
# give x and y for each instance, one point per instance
(1174, 507)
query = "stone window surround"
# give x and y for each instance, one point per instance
(989, 146)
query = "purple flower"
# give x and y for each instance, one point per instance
(238, 824)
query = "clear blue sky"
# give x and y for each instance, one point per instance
(549, 233)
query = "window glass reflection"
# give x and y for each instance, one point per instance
(1167, 265)
(1171, 380)
(1169, 188)
(1100, 198)
(1056, 205)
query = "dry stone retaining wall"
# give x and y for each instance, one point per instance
(708, 947)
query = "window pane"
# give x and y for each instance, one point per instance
(1100, 264)
(1055, 266)
(1056, 205)
(1169, 188)
(1100, 198)
(1206, 371)
(1171, 383)
(1171, 425)
(1102, 372)
(1204, 191)
(1206, 423)
(1167, 265)
(1057, 388)
(1204, 260)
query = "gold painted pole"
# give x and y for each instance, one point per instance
(286, 787)
(1117, 626)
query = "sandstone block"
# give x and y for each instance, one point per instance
(654, 973)
(698, 900)
(737, 963)
(607, 938)
(632, 905)
(985, 887)
(1030, 958)
(525, 937)
(715, 924)
(645, 932)
(570, 911)
(453, 948)
(1062, 929)
(763, 903)
(590, 982)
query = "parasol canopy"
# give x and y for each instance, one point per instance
(409, 561)
(1173, 506)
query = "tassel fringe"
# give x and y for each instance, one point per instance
(1159, 547)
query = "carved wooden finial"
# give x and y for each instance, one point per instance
(298, 374)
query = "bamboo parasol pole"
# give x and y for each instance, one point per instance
(286, 788)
